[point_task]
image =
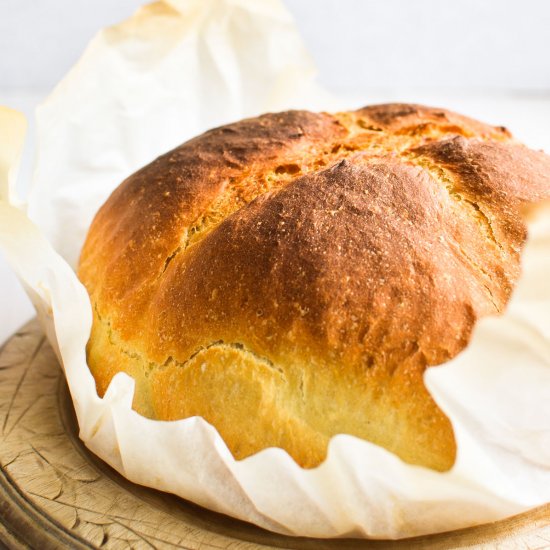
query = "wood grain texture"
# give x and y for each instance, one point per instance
(55, 494)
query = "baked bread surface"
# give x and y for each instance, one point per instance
(290, 277)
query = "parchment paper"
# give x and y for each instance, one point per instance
(142, 87)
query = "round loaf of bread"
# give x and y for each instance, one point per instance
(290, 277)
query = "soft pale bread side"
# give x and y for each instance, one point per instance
(290, 277)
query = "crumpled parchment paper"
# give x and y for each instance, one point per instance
(171, 71)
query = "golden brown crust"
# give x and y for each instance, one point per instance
(290, 277)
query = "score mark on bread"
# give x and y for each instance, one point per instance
(290, 277)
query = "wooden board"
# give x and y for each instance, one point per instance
(54, 493)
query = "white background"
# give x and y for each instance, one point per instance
(487, 58)
(357, 44)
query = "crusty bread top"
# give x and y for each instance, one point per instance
(366, 243)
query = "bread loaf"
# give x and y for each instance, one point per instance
(290, 277)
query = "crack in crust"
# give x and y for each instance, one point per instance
(446, 180)
(339, 255)
(147, 366)
(370, 139)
